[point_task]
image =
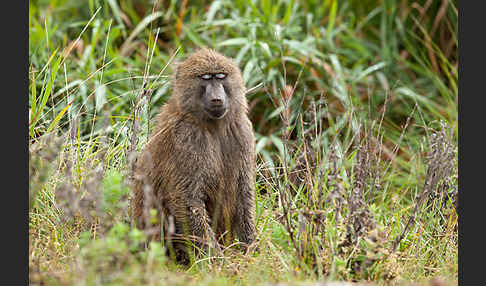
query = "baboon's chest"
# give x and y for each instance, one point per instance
(223, 163)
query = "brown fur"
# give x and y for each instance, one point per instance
(199, 170)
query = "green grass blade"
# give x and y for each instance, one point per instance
(332, 19)
(58, 117)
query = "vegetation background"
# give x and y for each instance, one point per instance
(354, 106)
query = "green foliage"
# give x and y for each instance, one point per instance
(114, 191)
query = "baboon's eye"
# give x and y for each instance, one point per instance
(220, 75)
(206, 76)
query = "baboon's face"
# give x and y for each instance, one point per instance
(209, 86)
(214, 96)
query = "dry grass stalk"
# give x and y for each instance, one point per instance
(41, 154)
(440, 161)
(360, 218)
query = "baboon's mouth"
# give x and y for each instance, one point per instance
(216, 112)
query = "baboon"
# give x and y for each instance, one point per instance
(198, 167)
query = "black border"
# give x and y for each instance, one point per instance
(471, 88)
(15, 187)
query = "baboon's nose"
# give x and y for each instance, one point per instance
(217, 101)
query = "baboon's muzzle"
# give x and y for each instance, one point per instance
(216, 103)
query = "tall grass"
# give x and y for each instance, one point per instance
(355, 115)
